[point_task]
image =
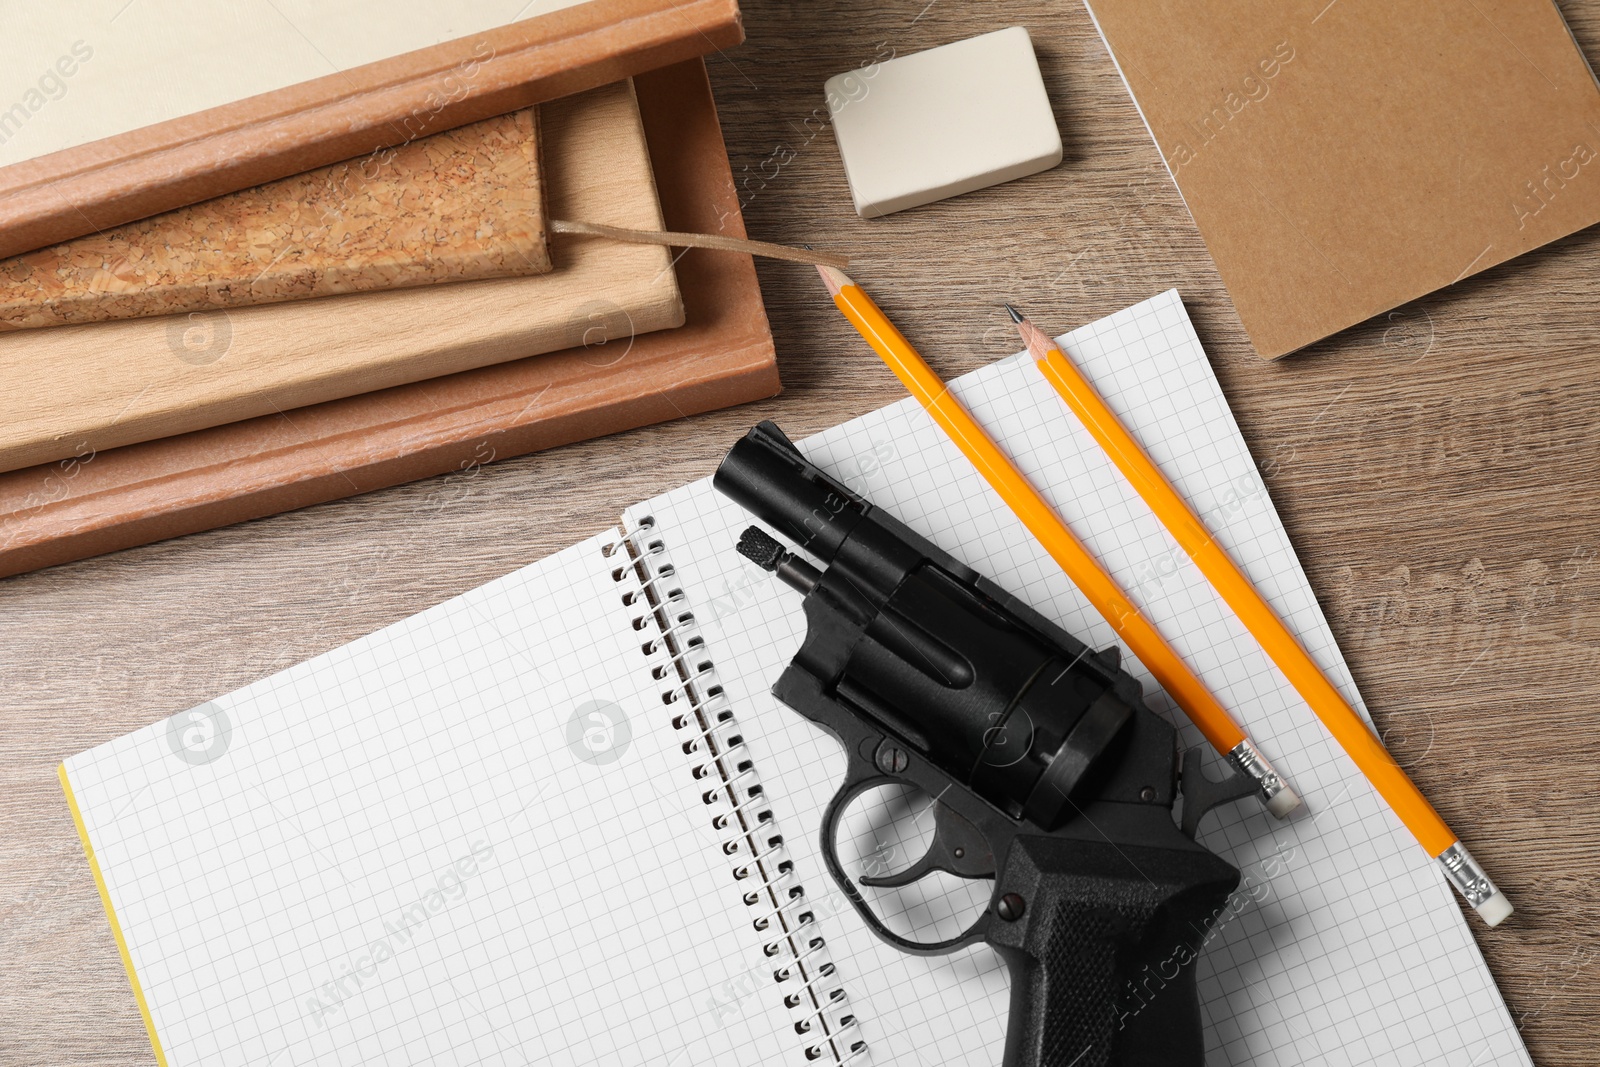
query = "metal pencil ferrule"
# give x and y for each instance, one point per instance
(1465, 874)
(1275, 792)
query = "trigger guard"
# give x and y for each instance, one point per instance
(852, 788)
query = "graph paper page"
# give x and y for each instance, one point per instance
(1348, 949)
(470, 838)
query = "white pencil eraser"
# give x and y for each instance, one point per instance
(943, 122)
(1283, 802)
(1495, 910)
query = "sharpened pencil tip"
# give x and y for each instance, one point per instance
(834, 279)
(1016, 316)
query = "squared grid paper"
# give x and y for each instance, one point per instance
(1348, 947)
(405, 853)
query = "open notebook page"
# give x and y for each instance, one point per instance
(472, 837)
(1347, 946)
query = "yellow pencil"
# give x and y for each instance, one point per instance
(1342, 722)
(1041, 520)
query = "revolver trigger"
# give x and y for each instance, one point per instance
(957, 848)
(1201, 794)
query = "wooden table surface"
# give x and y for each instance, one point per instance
(1437, 468)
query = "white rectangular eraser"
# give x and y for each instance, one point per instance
(943, 122)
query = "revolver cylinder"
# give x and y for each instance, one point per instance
(1020, 719)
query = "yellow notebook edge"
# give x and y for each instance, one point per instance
(111, 915)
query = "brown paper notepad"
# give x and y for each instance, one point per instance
(102, 501)
(1343, 158)
(108, 384)
(461, 205)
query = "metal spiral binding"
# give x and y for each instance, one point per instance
(679, 662)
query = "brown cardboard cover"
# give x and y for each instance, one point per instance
(366, 109)
(723, 355)
(1343, 158)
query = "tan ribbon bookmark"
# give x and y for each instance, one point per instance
(701, 240)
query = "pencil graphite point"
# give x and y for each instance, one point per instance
(834, 279)
(1036, 340)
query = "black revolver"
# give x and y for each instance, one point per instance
(1048, 772)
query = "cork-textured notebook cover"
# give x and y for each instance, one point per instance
(1343, 158)
(457, 206)
(106, 384)
(101, 501)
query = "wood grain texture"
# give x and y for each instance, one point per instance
(456, 206)
(350, 113)
(90, 388)
(1438, 471)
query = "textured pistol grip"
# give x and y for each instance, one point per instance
(1064, 985)
(1102, 958)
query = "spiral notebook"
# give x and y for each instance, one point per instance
(561, 819)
